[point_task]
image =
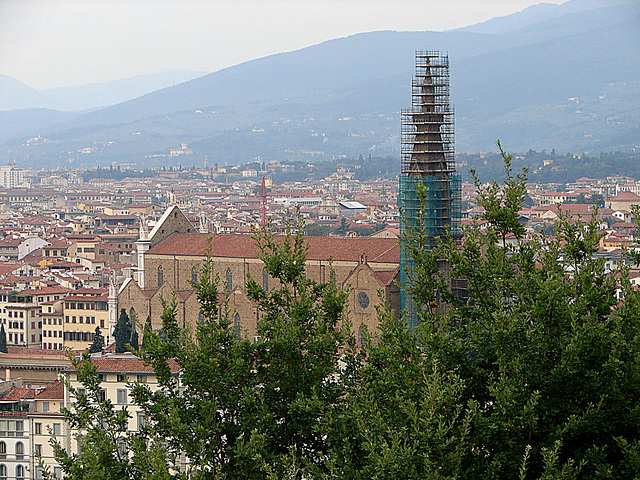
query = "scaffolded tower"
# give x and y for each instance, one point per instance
(428, 159)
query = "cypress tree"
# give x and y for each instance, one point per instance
(122, 332)
(145, 332)
(134, 339)
(98, 341)
(3, 340)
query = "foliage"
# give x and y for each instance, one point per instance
(342, 229)
(559, 169)
(502, 203)
(98, 341)
(547, 359)
(243, 409)
(122, 332)
(108, 449)
(302, 330)
(146, 328)
(134, 339)
(3, 339)
(402, 415)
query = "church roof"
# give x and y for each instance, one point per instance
(383, 250)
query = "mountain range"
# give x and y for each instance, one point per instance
(552, 76)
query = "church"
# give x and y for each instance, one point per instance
(169, 256)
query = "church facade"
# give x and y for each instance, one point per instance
(169, 258)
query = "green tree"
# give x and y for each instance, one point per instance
(206, 415)
(546, 356)
(122, 332)
(243, 409)
(303, 330)
(3, 339)
(343, 228)
(502, 203)
(536, 375)
(98, 341)
(402, 415)
(109, 450)
(134, 338)
(146, 328)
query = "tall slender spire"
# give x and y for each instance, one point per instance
(142, 246)
(263, 203)
(112, 304)
(427, 159)
(143, 233)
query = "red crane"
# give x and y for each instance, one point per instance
(263, 204)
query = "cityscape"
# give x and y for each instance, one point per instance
(349, 296)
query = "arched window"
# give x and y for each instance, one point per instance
(132, 316)
(3, 471)
(194, 275)
(236, 326)
(19, 450)
(160, 275)
(229, 280)
(20, 471)
(265, 280)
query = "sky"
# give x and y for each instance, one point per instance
(53, 43)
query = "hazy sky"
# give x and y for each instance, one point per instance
(51, 43)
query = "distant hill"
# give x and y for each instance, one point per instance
(29, 121)
(16, 95)
(564, 77)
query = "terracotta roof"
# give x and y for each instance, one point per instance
(15, 394)
(183, 295)
(86, 298)
(6, 268)
(11, 242)
(14, 351)
(125, 364)
(384, 250)
(386, 277)
(58, 244)
(52, 392)
(44, 290)
(575, 209)
(91, 291)
(626, 197)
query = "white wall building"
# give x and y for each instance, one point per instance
(11, 176)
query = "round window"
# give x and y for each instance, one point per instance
(363, 300)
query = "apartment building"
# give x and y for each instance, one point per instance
(11, 177)
(52, 316)
(46, 419)
(83, 311)
(117, 372)
(15, 451)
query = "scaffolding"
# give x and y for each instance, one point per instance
(428, 158)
